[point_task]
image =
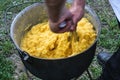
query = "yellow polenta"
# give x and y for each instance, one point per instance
(41, 42)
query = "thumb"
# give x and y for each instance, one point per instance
(73, 27)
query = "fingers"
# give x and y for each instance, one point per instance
(67, 17)
(71, 19)
(56, 29)
(67, 27)
(76, 17)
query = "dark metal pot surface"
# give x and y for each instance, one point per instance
(51, 69)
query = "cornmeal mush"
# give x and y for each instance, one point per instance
(41, 42)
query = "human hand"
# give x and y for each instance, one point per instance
(65, 16)
(71, 17)
(78, 12)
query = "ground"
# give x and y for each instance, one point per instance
(11, 67)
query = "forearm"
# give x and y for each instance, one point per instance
(54, 9)
(79, 4)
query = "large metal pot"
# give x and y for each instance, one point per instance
(51, 69)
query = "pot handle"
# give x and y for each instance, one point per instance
(24, 55)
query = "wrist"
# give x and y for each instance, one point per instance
(79, 3)
(54, 9)
(54, 3)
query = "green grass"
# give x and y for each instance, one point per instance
(110, 33)
(6, 66)
(6, 69)
(23, 77)
(6, 46)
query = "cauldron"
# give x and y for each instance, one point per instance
(51, 69)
